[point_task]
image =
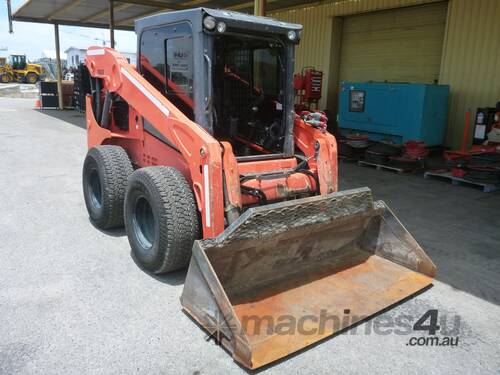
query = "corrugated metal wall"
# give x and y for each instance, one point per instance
(471, 53)
(315, 46)
(471, 61)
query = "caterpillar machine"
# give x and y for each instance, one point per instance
(198, 152)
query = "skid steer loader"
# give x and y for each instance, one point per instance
(198, 152)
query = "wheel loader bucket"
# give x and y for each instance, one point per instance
(286, 275)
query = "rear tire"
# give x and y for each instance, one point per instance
(161, 218)
(105, 173)
(31, 78)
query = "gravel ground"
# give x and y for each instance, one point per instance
(72, 300)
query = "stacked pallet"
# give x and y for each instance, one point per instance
(409, 157)
(480, 168)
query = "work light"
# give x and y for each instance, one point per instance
(292, 35)
(221, 27)
(209, 22)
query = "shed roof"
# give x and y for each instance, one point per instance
(95, 13)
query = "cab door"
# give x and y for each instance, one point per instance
(166, 60)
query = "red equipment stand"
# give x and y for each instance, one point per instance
(308, 86)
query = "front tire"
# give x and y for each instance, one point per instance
(161, 218)
(31, 78)
(105, 173)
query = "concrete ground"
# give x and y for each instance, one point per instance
(72, 300)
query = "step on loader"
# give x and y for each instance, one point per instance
(197, 150)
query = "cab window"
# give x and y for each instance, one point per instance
(166, 61)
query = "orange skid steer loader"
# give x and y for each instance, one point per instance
(198, 152)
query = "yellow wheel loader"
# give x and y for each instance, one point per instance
(17, 69)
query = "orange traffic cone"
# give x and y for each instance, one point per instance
(38, 104)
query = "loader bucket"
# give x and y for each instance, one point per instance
(286, 275)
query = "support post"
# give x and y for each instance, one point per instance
(259, 8)
(59, 67)
(112, 23)
(9, 16)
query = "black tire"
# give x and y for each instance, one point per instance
(161, 218)
(31, 78)
(105, 173)
(5, 78)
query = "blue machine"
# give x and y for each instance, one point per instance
(396, 111)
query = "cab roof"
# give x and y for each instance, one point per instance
(231, 18)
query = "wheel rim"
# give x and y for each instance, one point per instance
(95, 189)
(31, 79)
(143, 223)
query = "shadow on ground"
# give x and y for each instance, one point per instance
(70, 116)
(116, 232)
(172, 278)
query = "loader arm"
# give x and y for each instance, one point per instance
(201, 152)
(199, 149)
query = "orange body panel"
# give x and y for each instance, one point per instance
(260, 166)
(208, 164)
(282, 188)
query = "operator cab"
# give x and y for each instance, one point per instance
(17, 62)
(249, 93)
(229, 72)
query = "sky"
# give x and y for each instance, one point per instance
(32, 38)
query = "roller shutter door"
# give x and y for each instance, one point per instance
(399, 45)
